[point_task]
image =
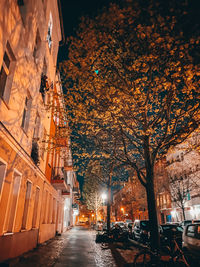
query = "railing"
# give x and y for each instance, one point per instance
(57, 173)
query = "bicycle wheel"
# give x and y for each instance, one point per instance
(144, 259)
(183, 261)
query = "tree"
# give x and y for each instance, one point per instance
(92, 190)
(180, 188)
(131, 77)
(104, 174)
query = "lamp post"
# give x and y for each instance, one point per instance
(104, 197)
(122, 209)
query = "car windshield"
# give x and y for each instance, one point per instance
(144, 224)
(170, 227)
(121, 224)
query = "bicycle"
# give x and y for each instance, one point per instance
(174, 257)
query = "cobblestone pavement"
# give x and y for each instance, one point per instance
(76, 248)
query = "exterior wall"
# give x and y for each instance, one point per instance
(162, 191)
(184, 161)
(27, 230)
(31, 208)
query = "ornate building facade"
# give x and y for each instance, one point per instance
(36, 183)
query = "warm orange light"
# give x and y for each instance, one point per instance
(92, 215)
(122, 209)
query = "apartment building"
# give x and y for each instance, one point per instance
(33, 207)
(183, 167)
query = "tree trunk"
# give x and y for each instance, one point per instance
(96, 208)
(108, 208)
(152, 210)
(183, 211)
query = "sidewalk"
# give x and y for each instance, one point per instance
(51, 253)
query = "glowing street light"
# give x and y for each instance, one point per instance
(104, 196)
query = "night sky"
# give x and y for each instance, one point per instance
(72, 11)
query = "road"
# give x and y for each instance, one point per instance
(74, 248)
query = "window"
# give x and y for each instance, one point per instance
(50, 209)
(20, 2)
(191, 231)
(26, 204)
(7, 73)
(37, 47)
(26, 113)
(44, 81)
(54, 211)
(49, 32)
(22, 9)
(36, 132)
(43, 143)
(44, 207)
(2, 175)
(14, 199)
(35, 210)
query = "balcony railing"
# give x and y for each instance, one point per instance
(57, 173)
(66, 194)
(68, 166)
(58, 180)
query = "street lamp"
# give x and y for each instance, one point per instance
(122, 209)
(103, 196)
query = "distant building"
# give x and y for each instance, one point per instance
(162, 191)
(183, 167)
(38, 186)
(130, 202)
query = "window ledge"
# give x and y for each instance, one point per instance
(8, 233)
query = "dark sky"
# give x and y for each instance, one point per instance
(72, 10)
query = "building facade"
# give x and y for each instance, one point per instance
(36, 190)
(183, 167)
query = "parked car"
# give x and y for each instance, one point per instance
(140, 230)
(119, 232)
(121, 224)
(170, 231)
(191, 239)
(127, 221)
(186, 222)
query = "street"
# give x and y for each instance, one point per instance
(75, 248)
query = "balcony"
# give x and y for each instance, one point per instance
(68, 166)
(66, 194)
(57, 179)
